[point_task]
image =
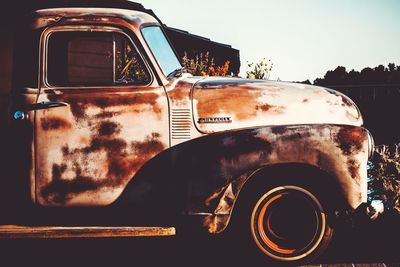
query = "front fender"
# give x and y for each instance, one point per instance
(204, 176)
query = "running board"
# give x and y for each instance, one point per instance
(14, 231)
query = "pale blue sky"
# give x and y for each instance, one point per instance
(304, 38)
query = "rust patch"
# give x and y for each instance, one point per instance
(270, 108)
(305, 100)
(60, 190)
(150, 145)
(215, 196)
(350, 139)
(264, 107)
(181, 92)
(351, 117)
(295, 136)
(215, 223)
(345, 100)
(106, 144)
(242, 143)
(279, 130)
(65, 150)
(109, 128)
(54, 123)
(107, 115)
(80, 102)
(121, 164)
(354, 168)
(240, 101)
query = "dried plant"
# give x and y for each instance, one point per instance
(203, 65)
(220, 70)
(384, 176)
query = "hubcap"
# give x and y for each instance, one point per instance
(288, 223)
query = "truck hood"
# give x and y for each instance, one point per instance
(230, 103)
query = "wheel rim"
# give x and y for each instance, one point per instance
(288, 223)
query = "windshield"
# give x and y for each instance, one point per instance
(161, 49)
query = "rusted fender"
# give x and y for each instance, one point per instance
(204, 176)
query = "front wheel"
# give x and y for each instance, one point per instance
(289, 224)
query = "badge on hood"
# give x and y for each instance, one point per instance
(215, 120)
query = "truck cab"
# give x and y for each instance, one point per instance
(104, 119)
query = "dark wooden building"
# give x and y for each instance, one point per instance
(193, 45)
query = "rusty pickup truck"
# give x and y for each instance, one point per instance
(102, 127)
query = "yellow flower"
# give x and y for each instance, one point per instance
(251, 76)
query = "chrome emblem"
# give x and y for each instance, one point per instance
(215, 120)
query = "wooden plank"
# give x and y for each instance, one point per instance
(349, 265)
(14, 231)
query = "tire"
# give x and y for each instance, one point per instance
(289, 224)
(282, 223)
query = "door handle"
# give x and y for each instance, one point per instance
(45, 105)
(20, 113)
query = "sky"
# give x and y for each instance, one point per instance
(303, 39)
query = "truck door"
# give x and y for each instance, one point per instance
(100, 115)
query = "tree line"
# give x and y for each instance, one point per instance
(385, 75)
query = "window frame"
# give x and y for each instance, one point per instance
(151, 51)
(44, 40)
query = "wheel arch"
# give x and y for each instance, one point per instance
(279, 174)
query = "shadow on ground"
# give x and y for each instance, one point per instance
(375, 242)
(378, 242)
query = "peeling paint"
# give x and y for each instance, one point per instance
(110, 135)
(55, 123)
(229, 159)
(350, 140)
(255, 103)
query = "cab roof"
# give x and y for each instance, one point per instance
(18, 10)
(31, 6)
(53, 15)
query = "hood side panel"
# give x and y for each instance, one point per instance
(229, 103)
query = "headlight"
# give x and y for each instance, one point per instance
(371, 145)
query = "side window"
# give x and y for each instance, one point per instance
(93, 59)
